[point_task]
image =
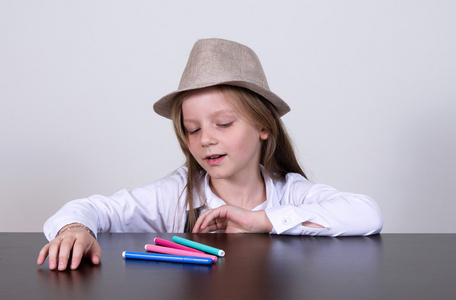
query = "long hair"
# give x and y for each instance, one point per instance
(277, 153)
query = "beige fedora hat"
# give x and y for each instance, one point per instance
(215, 62)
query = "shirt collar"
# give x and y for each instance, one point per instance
(212, 201)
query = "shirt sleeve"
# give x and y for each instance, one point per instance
(340, 213)
(151, 208)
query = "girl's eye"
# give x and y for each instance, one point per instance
(224, 125)
(192, 131)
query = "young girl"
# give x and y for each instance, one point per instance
(241, 173)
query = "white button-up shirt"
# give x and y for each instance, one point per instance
(160, 207)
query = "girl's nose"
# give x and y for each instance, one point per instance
(207, 138)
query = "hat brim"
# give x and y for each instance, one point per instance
(164, 105)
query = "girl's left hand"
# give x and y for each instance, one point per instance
(233, 219)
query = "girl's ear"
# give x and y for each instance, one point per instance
(264, 134)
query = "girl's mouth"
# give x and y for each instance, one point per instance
(214, 160)
(215, 156)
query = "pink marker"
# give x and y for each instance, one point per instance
(173, 251)
(166, 243)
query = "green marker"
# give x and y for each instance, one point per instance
(198, 246)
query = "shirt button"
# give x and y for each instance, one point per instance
(285, 221)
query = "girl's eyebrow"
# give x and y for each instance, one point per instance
(213, 115)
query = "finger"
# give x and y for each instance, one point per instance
(213, 224)
(78, 252)
(95, 254)
(43, 254)
(64, 253)
(197, 228)
(205, 230)
(203, 226)
(214, 217)
(216, 225)
(54, 247)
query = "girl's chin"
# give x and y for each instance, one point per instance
(217, 175)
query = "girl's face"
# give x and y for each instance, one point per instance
(225, 143)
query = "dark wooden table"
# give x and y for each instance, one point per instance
(256, 266)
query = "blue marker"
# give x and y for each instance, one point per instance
(167, 258)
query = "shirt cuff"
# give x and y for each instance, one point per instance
(286, 217)
(52, 227)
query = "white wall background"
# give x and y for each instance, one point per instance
(372, 86)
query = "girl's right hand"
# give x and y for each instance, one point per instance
(75, 241)
(233, 219)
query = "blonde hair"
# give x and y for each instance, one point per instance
(277, 154)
